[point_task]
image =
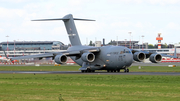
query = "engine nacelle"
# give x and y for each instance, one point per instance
(88, 57)
(139, 56)
(60, 59)
(155, 58)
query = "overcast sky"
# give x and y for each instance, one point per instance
(114, 19)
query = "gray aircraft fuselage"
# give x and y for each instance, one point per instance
(109, 57)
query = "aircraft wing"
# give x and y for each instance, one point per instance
(53, 54)
(148, 54)
(164, 55)
(145, 52)
(139, 55)
(32, 56)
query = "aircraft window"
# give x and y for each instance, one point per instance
(125, 51)
(128, 51)
(121, 52)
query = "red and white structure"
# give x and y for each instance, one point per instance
(7, 45)
(159, 38)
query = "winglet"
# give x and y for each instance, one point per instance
(8, 59)
(5, 54)
(175, 55)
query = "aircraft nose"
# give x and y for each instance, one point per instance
(129, 60)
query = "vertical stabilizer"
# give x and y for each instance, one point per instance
(70, 28)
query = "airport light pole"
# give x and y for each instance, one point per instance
(130, 40)
(14, 48)
(86, 41)
(142, 41)
(7, 45)
(125, 42)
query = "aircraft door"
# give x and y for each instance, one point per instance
(120, 58)
(124, 57)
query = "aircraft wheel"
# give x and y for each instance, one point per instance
(114, 70)
(127, 70)
(88, 70)
(82, 71)
(118, 70)
(93, 71)
(107, 70)
(111, 70)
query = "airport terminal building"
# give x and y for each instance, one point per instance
(33, 45)
(22, 48)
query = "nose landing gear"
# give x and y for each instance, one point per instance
(126, 70)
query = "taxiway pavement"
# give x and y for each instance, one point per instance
(95, 73)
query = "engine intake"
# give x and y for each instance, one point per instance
(155, 58)
(60, 59)
(88, 57)
(139, 56)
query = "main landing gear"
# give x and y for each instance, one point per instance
(126, 70)
(87, 71)
(118, 70)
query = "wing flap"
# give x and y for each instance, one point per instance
(67, 53)
(32, 56)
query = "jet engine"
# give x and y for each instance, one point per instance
(60, 59)
(155, 58)
(139, 56)
(88, 57)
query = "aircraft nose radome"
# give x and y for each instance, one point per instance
(129, 60)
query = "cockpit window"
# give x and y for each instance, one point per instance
(125, 51)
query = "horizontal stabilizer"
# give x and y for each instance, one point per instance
(84, 19)
(61, 19)
(49, 19)
(70, 27)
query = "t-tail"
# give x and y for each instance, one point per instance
(175, 54)
(70, 28)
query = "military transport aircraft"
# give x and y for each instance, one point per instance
(110, 58)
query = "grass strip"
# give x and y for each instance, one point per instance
(76, 87)
(76, 68)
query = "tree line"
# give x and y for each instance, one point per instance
(150, 46)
